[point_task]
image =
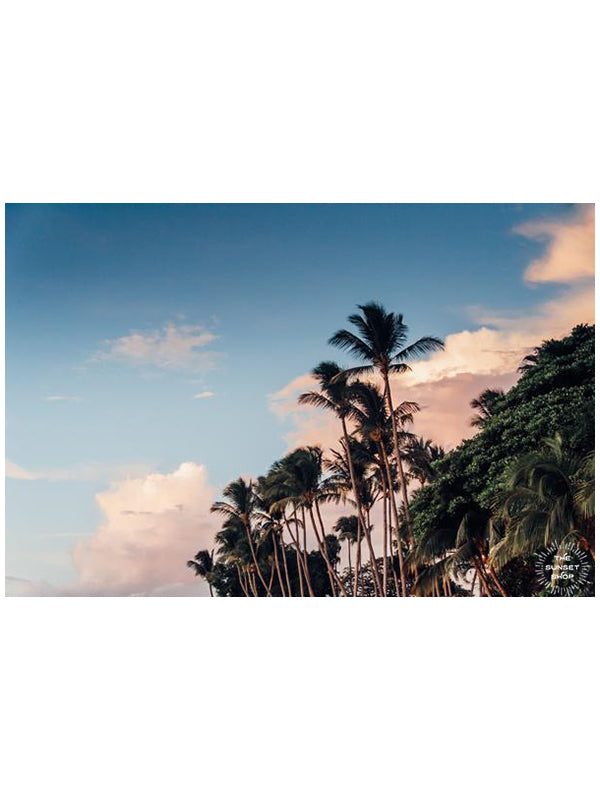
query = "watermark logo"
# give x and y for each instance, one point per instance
(564, 571)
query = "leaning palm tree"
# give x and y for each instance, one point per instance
(381, 344)
(202, 564)
(446, 555)
(240, 505)
(545, 502)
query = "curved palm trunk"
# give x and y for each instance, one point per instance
(390, 404)
(333, 578)
(333, 569)
(304, 552)
(301, 564)
(390, 487)
(497, 581)
(254, 558)
(480, 573)
(276, 557)
(241, 580)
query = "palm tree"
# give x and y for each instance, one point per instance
(448, 554)
(233, 548)
(241, 507)
(347, 529)
(548, 499)
(203, 564)
(381, 345)
(369, 411)
(300, 477)
(485, 404)
(420, 454)
(335, 396)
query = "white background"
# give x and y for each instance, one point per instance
(299, 101)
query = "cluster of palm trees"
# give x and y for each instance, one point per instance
(268, 522)
(548, 499)
(376, 459)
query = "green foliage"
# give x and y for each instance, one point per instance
(555, 394)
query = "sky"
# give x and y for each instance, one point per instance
(155, 352)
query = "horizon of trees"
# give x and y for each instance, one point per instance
(476, 516)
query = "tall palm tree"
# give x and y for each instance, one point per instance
(203, 564)
(240, 505)
(335, 397)
(546, 502)
(381, 344)
(300, 474)
(369, 411)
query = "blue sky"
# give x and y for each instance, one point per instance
(270, 283)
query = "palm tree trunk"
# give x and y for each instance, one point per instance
(300, 567)
(333, 578)
(276, 557)
(482, 580)
(349, 557)
(253, 551)
(285, 565)
(390, 404)
(497, 581)
(385, 546)
(333, 569)
(241, 580)
(355, 492)
(300, 560)
(390, 483)
(304, 553)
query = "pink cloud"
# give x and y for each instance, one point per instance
(570, 253)
(153, 525)
(173, 347)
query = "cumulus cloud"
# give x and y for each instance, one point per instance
(178, 347)
(152, 526)
(569, 255)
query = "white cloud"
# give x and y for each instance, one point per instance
(179, 347)
(63, 398)
(80, 472)
(203, 395)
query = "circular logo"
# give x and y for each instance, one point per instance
(564, 571)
